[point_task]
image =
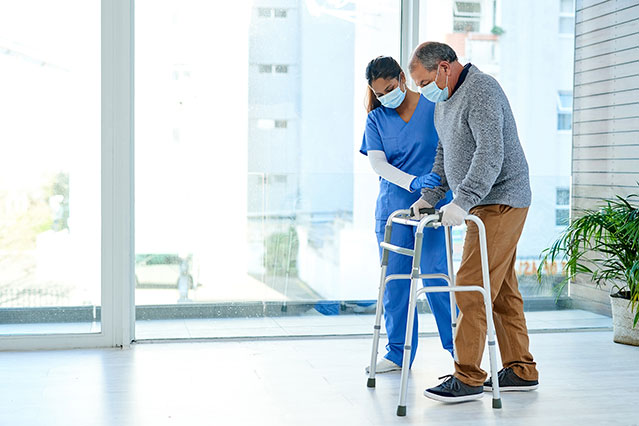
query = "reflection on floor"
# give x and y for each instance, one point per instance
(585, 379)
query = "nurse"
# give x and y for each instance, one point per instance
(400, 141)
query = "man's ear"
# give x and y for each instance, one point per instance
(445, 66)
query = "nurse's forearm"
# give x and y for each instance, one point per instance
(390, 173)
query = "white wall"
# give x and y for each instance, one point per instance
(606, 112)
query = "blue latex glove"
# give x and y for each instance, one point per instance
(431, 180)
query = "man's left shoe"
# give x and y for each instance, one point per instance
(454, 390)
(510, 382)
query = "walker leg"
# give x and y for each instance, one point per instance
(453, 318)
(490, 324)
(403, 386)
(451, 276)
(492, 352)
(379, 309)
(410, 323)
(377, 328)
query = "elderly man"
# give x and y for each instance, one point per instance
(481, 159)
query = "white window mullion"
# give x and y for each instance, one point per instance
(117, 172)
(409, 33)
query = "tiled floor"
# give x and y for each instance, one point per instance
(586, 379)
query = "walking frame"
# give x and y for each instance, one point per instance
(432, 220)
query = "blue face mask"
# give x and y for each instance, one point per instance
(433, 93)
(394, 98)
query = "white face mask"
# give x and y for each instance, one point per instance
(432, 92)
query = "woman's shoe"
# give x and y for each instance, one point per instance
(385, 366)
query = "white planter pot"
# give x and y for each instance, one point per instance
(622, 319)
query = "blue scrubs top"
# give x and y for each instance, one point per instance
(410, 147)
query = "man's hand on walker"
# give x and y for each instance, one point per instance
(453, 215)
(419, 204)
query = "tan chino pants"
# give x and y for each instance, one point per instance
(504, 225)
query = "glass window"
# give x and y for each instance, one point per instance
(563, 196)
(466, 26)
(251, 222)
(562, 217)
(562, 213)
(565, 100)
(264, 12)
(564, 121)
(278, 179)
(467, 8)
(566, 25)
(547, 149)
(239, 220)
(564, 110)
(566, 17)
(280, 13)
(567, 7)
(466, 16)
(50, 214)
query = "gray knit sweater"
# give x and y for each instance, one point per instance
(479, 155)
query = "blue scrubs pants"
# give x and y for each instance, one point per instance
(397, 292)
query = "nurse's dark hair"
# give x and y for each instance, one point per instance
(381, 67)
(430, 54)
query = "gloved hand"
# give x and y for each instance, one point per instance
(431, 180)
(419, 204)
(453, 215)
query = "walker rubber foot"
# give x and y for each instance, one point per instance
(401, 410)
(370, 383)
(497, 403)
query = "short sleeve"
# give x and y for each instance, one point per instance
(372, 141)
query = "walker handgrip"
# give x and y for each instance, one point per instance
(427, 211)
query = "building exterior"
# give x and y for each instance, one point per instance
(303, 141)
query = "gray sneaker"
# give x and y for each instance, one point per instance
(454, 390)
(510, 382)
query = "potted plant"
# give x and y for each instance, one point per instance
(604, 244)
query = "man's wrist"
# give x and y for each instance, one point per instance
(430, 196)
(463, 203)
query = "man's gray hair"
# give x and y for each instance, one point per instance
(430, 54)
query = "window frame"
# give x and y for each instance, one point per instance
(117, 283)
(560, 207)
(467, 17)
(564, 110)
(566, 15)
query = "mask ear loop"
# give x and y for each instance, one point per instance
(399, 83)
(437, 75)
